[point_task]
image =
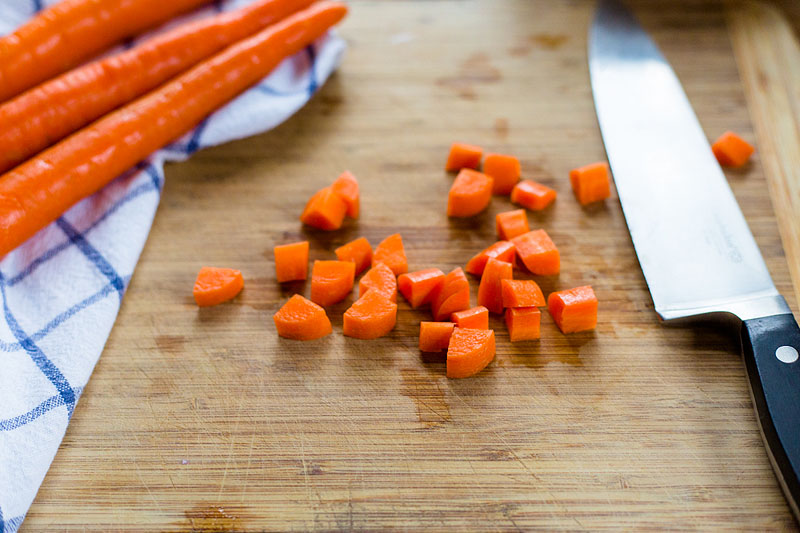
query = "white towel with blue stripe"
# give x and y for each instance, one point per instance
(62, 289)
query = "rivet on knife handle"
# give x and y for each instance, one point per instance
(771, 345)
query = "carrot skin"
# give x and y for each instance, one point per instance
(523, 323)
(434, 336)
(216, 285)
(475, 318)
(591, 183)
(71, 31)
(731, 150)
(573, 310)
(370, 317)
(509, 224)
(501, 250)
(301, 319)
(490, 294)
(358, 251)
(291, 261)
(469, 352)
(463, 156)
(41, 189)
(522, 293)
(49, 112)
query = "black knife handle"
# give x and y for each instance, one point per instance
(771, 346)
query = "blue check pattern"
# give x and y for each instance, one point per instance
(62, 289)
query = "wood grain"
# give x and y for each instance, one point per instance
(768, 55)
(205, 420)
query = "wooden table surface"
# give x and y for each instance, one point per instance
(205, 420)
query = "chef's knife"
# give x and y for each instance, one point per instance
(693, 243)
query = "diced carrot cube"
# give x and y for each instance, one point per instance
(532, 195)
(469, 352)
(501, 250)
(457, 301)
(470, 194)
(434, 336)
(358, 251)
(301, 319)
(391, 252)
(346, 186)
(419, 287)
(731, 150)
(474, 318)
(370, 317)
(574, 309)
(511, 223)
(504, 169)
(523, 323)
(591, 183)
(331, 281)
(216, 285)
(291, 261)
(325, 210)
(522, 293)
(538, 252)
(463, 156)
(381, 279)
(455, 283)
(490, 294)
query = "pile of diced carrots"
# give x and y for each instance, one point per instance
(457, 327)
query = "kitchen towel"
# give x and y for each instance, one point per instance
(62, 289)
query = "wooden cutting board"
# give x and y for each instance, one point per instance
(205, 420)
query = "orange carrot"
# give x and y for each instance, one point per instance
(502, 250)
(390, 251)
(49, 112)
(381, 279)
(452, 297)
(490, 294)
(72, 31)
(41, 189)
(574, 309)
(469, 352)
(291, 261)
(420, 287)
(216, 285)
(346, 186)
(504, 170)
(523, 323)
(731, 150)
(301, 320)
(370, 317)
(591, 183)
(325, 210)
(532, 195)
(463, 156)
(521, 293)
(434, 336)
(458, 301)
(470, 194)
(331, 281)
(474, 318)
(538, 253)
(358, 251)
(511, 223)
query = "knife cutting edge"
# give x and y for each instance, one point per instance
(695, 250)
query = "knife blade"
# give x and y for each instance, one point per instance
(694, 246)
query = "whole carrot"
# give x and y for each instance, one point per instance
(72, 31)
(41, 189)
(49, 112)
